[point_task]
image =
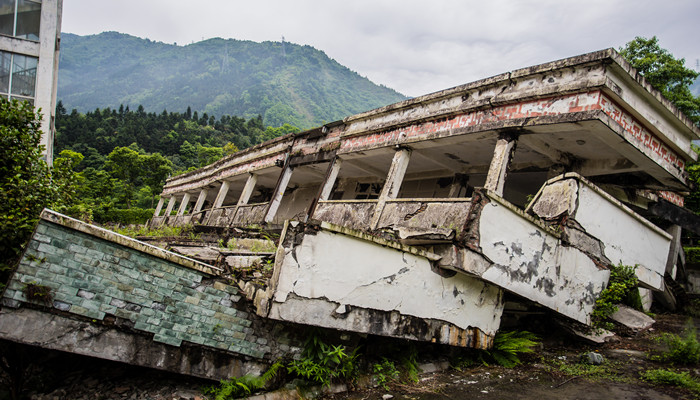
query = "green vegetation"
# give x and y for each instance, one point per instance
(322, 363)
(507, 347)
(235, 388)
(282, 82)
(683, 349)
(28, 184)
(385, 372)
(622, 288)
(607, 371)
(665, 73)
(667, 377)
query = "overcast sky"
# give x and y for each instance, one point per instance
(415, 47)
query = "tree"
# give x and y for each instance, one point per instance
(665, 73)
(28, 184)
(126, 166)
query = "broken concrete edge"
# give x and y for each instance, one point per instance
(378, 240)
(523, 213)
(25, 325)
(606, 56)
(602, 193)
(93, 230)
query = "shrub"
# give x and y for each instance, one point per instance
(323, 363)
(683, 349)
(671, 378)
(235, 388)
(507, 346)
(621, 289)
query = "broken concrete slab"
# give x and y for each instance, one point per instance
(633, 320)
(330, 279)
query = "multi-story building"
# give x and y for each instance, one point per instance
(30, 34)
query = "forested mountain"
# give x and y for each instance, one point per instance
(281, 81)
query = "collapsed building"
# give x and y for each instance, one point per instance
(421, 220)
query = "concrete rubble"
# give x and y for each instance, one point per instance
(417, 220)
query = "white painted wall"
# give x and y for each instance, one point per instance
(532, 263)
(340, 269)
(628, 238)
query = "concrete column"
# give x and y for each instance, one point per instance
(277, 195)
(171, 205)
(200, 201)
(393, 183)
(47, 71)
(502, 155)
(159, 207)
(183, 204)
(330, 180)
(248, 189)
(221, 195)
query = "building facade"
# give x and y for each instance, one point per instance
(30, 34)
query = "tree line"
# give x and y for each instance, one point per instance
(122, 157)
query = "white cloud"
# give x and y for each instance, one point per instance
(413, 46)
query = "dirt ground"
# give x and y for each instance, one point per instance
(548, 374)
(552, 372)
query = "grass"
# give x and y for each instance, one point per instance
(607, 371)
(668, 377)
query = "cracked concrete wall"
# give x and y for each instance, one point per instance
(518, 255)
(600, 225)
(339, 281)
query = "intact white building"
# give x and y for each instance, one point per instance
(30, 34)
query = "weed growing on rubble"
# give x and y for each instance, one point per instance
(235, 388)
(621, 288)
(684, 349)
(671, 378)
(385, 372)
(323, 363)
(507, 347)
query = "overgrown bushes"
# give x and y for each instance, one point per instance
(622, 288)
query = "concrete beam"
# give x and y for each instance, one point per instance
(171, 205)
(183, 205)
(223, 190)
(330, 180)
(279, 192)
(502, 156)
(391, 188)
(200, 201)
(248, 189)
(159, 207)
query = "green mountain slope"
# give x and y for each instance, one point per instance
(283, 82)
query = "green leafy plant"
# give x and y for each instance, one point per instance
(683, 349)
(235, 388)
(507, 347)
(384, 372)
(36, 292)
(671, 378)
(621, 288)
(322, 363)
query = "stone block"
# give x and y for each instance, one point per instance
(172, 341)
(67, 298)
(45, 274)
(10, 302)
(59, 305)
(192, 300)
(108, 309)
(75, 248)
(69, 290)
(122, 313)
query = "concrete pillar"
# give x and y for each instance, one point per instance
(279, 192)
(200, 201)
(248, 189)
(393, 183)
(183, 204)
(171, 205)
(502, 155)
(221, 195)
(330, 179)
(159, 207)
